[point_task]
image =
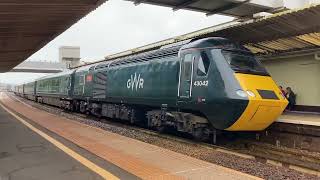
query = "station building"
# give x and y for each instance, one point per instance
(69, 55)
(301, 72)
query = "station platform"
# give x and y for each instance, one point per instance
(303, 118)
(133, 158)
(297, 130)
(26, 155)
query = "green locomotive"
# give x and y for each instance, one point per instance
(197, 86)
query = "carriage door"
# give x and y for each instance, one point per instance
(185, 76)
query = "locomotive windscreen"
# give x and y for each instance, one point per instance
(244, 62)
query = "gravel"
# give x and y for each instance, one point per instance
(249, 166)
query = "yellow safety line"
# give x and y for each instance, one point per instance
(86, 162)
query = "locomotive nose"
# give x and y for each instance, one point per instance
(266, 102)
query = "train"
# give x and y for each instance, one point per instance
(199, 86)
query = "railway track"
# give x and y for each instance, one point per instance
(258, 151)
(299, 160)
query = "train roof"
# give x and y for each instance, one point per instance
(212, 42)
(141, 57)
(64, 73)
(172, 50)
(27, 82)
(84, 68)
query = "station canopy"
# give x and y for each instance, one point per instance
(238, 8)
(280, 33)
(28, 25)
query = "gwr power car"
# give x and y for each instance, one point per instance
(197, 87)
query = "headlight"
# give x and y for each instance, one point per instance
(241, 93)
(250, 93)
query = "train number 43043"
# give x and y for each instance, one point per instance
(201, 83)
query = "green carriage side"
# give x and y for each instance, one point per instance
(19, 90)
(82, 88)
(29, 90)
(54, 89)
(82, 83)
(150, 83)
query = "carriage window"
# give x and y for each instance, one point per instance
(203, 64)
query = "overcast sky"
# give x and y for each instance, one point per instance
(116, 26)
(119, 25)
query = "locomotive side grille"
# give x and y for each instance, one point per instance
(141, 57)
(100, 85)
(101, 76)
(146, 56)
(266, 94)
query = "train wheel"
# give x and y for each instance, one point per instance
(75, 106)
(83, 107)
(72, 107)
(198, 134)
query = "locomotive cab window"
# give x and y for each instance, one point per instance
(244, 62)
(203, 64)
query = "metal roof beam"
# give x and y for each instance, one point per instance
(256, 34)
(227, 7)
(36, 70)
(26, 26)
(290, 54)
(184, 4)
(137, 2)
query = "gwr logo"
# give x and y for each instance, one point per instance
(135, 82)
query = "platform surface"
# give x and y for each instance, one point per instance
(25, 155)
(305, 118)
(135, 157)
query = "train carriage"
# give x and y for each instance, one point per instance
(198, 86)
(29, 90)
(19, 90)
(204, 84)
(82, 88)
(15, 90)
(55, 89)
